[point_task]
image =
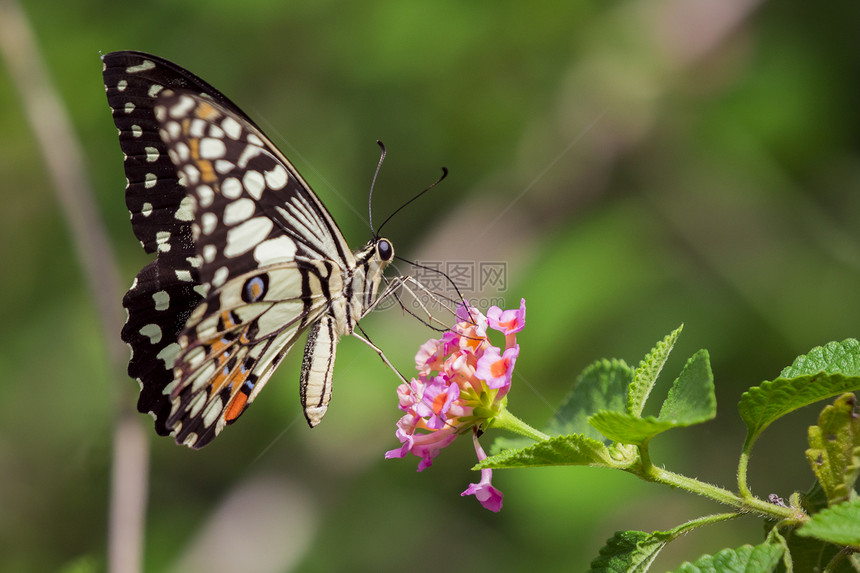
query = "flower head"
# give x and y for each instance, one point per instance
(462, 384)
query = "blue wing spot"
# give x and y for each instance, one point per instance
(255, 288)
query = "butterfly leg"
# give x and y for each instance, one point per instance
(365, 339)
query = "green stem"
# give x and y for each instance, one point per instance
(742, 504)
(742, 476)
(507, 421)
(743, 462)
(685, 528)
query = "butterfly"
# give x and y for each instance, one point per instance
(247, 256)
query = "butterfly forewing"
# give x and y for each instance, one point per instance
(247, 255)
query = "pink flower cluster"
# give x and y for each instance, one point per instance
(463, 381)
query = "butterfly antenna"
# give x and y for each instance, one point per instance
(435, 183)
(373, 183)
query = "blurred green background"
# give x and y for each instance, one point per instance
(635, 165)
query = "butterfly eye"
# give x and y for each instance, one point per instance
(385, 250)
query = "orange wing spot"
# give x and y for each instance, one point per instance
(204, 166)
(207, 172)
(219, 381)
(235, 407)
(227, 320)
(206, 111)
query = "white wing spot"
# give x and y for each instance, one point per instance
(211, 148)
(161, 299)
(250, 152)
(192, 174)
(212, 412)
(173, 129)
(183, 275)
(197, 404)
(209, 252)
(196, 261)
(182, 151)
(223, 166)
(182, 107)
(154, 90)
(150, 180)
(121, 85)
(231, 188)
(277, 178)
(198, 128)
(275, 250)
(216, 132)
(220, 276)
(146, 209)
(246, 236)
(208, 222)
(254, 183)
(231, 127)
(205, 195)
(153, 332)
(238, 211)
(254, 140)
(202, 290)
(141, 67)
(152, 154)
(162, 239)
(186, 209)
(129, 107)
(136, 131)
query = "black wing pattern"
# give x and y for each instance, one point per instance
(247, 255)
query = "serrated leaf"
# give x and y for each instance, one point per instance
(838, 524)
(571, 450)
(691, 399)
(834, 452)
(629, 552)
(601, 386)
(822, 372)
(833, 357)
(761, 405)
(628, 429)
(810, 554)
(646, 373)
(746, 559)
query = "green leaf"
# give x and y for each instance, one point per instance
(691, 399)
(601, 386)
(760, 406)
(628, 429)
(572, 450)
(834, 452)
(646, 373)
(810, 554)
(746, 559)
(838, 524)
(823, 372)
(629, 552)
(833, 357)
